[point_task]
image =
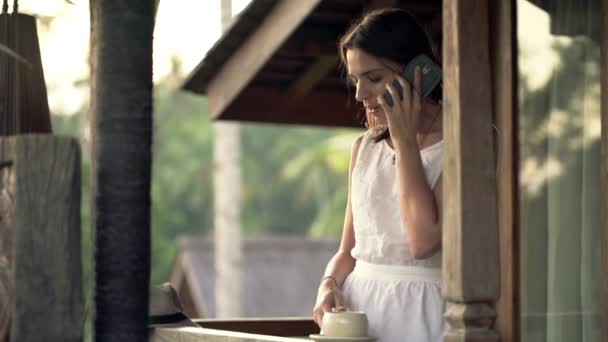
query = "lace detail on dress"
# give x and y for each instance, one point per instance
(379, 233)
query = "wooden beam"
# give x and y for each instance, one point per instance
(156, 4)
(40, 236)
(470, 235)
(248, 22)
(604, 163)
(271, 105)
(316, 72)
(503, 46)
(254, 53)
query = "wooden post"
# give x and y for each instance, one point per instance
(503, 56)
(40, 236)
(470, 235)
(604, 163)
(227, 185)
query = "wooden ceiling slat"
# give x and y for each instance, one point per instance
(308, 47)
(316, 72)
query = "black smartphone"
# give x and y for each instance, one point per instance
(431, 77)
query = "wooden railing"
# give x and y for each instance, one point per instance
(286, 327)
(291, 329)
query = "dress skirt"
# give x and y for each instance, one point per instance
(402, 303)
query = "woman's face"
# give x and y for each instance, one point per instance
(369, 75)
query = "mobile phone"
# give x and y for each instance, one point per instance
(431, 77)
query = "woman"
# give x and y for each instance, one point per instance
(388, 264)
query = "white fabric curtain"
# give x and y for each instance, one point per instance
(560, 189)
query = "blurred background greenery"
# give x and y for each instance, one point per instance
(294, 177)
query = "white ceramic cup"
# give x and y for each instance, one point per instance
(344, 324)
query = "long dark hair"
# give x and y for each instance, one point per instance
(393, 34)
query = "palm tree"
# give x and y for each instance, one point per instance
(121, 102)
(316, 168)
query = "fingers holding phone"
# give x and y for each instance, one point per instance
(402, 115)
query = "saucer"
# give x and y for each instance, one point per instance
(323, 338)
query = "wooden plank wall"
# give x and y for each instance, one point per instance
(40, 236)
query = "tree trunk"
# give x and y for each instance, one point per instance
(122, 129)
(227, 192)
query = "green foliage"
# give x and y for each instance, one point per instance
(182, 196)
(320, 174)
(287, 177)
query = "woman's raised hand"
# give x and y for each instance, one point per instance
(403, 116)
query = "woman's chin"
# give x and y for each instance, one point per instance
(378, 115)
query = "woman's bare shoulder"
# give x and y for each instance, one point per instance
(357, 143)
(355, 147)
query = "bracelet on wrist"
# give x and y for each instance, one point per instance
(332, 278)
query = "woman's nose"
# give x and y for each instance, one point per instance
(362, 93)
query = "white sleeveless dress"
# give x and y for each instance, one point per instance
(400, 294)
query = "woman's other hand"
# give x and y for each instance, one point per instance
(329, 297)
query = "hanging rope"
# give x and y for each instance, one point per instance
(6, 38)
(4, 75)
(17, 75)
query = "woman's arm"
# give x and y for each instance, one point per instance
(342, 263)
(420, 205)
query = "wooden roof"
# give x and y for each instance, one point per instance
(278, 61)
